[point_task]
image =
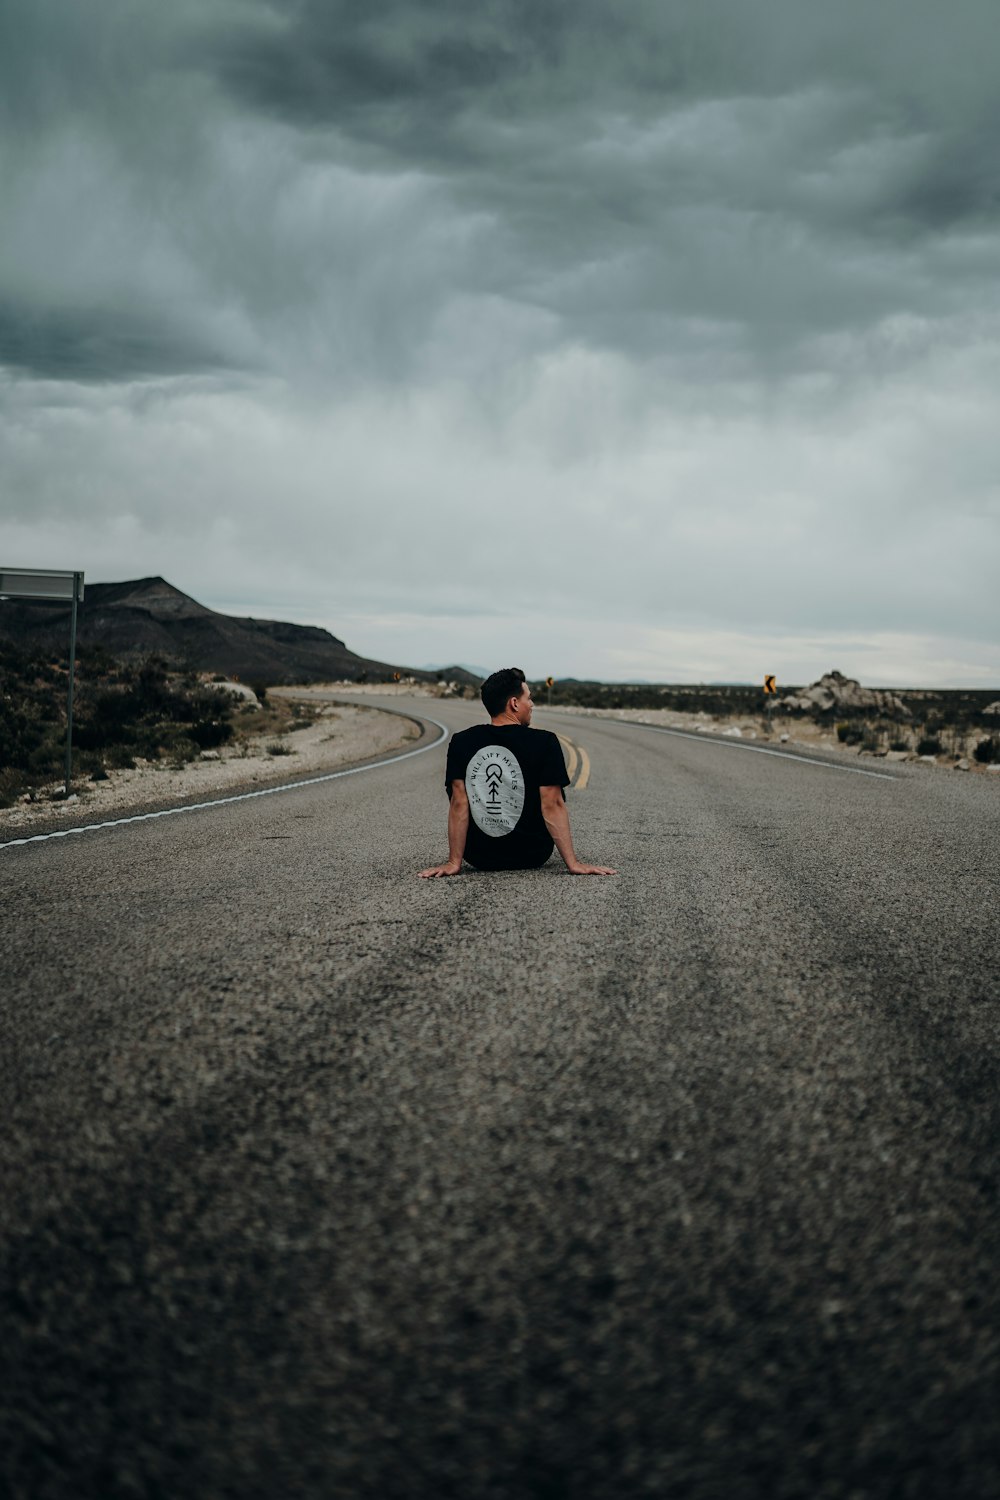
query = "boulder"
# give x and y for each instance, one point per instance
(835, 691)
(993, 709)
(237, 690)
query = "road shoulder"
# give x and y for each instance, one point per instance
(344, 736)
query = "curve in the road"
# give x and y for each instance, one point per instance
(266, 791)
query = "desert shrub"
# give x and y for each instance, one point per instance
(303, 715)
(953, 740)
(11, 787)
(33, 716)
(147, 706)
(848, 733)
(86, 761)
(178, 749)
(898, 743)
(123, 710)
(986, 752)
(119, 758)
(46, 759)
(929, 745)
(278, 747)
(210, 733)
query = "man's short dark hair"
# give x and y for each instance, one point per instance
(499, 687)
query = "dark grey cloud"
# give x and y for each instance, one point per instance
(770, 169)
(451, 83)
(660, 179)
(700, 297)
(381, 66)
(958, 184)
(96, 344)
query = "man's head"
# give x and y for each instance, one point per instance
(506, 694)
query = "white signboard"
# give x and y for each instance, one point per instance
(40, 583)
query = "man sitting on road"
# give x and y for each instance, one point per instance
(505, 781)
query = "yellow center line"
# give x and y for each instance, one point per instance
(570, 749)
(577, 754)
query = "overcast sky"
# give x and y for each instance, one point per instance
(631, 340)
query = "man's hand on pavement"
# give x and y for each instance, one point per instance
(578, 869)
(448, 869)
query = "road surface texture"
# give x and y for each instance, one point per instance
(321, 1180)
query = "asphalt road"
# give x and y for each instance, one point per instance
(321, 1180)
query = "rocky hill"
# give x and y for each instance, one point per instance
(835, 691)
(148, 616)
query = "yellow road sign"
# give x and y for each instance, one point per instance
(550, 682)
(769, 686)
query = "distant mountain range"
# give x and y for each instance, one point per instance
(480, 674)
(148, 616)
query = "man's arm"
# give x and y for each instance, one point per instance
(556, 815)
(458, 827)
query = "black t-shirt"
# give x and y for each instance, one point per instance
(503, 765)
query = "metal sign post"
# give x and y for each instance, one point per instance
(770, 688)
(54, 586)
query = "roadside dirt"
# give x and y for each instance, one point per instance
(800, 733)
(339, 736)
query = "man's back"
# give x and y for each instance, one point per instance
(505, 781)
(503, 767)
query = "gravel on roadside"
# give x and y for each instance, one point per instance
(341, 735)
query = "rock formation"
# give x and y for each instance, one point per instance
(835, 691)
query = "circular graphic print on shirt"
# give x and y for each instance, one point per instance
(495, 786)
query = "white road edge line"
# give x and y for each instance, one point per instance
(704, 739)
(266, 791)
